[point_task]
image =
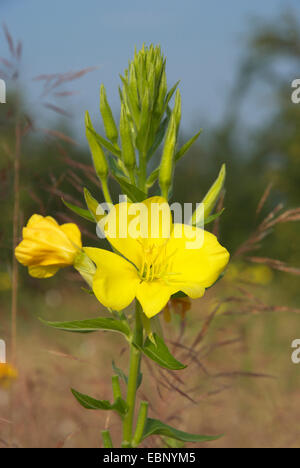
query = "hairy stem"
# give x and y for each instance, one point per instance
(134, 369)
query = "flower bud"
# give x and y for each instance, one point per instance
(47, 246)
(107, 116)
(209, 201)
(99, 159)
(167, 160)
(128, 152)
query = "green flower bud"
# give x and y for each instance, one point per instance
(167, 160)
(210, 199)
(107, 116)
(99, 159)
(128, 152)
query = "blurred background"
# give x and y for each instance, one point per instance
(236, 63)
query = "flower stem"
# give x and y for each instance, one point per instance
(107, 442)
(134, 369)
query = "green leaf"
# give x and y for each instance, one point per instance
(91, 403)
(156, 427)
(92, 205)
(158, 137)
(91, 325)
(160, 354)
(186, 146)
(124, 377)
(179, 294)
(152, 178)
(135, 194)
(170, 94)
(109, 146)
(79, 211)
(211, 218)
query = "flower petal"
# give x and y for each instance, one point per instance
(132, 228)
(195, 268)
(115, 281)
(154, 295)
(73, 234)
(42, 271)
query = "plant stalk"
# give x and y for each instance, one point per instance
(134, 369)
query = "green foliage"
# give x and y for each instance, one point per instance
(160, 353)
(88, 402)
(92, 205)
(132, 192)
(92, 325)
(156, 427)
(79, 211)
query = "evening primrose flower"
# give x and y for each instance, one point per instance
(47, 246)
(153, 267)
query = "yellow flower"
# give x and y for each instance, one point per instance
(153, 267)
(46, 246)
(7, 374)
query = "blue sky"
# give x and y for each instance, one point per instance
(203, 42)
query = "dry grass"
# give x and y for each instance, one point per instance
(219, 392)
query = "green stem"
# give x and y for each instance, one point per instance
(142, 171)
(116, 387)
(131, 176)
(134, 369)
(140, 425)
(107, 442)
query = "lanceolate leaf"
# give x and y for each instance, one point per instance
(152, 177)
(158, 137)
(91, 325)
(156, 427)
(186, 146)
(135, 194)
(160, 354)
(109, 146)
(92, 205)
(91, 403)
(211, 218)
(79, 211)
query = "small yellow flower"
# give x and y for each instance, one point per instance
(152, 268)
(7, 374)
(47, 246)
